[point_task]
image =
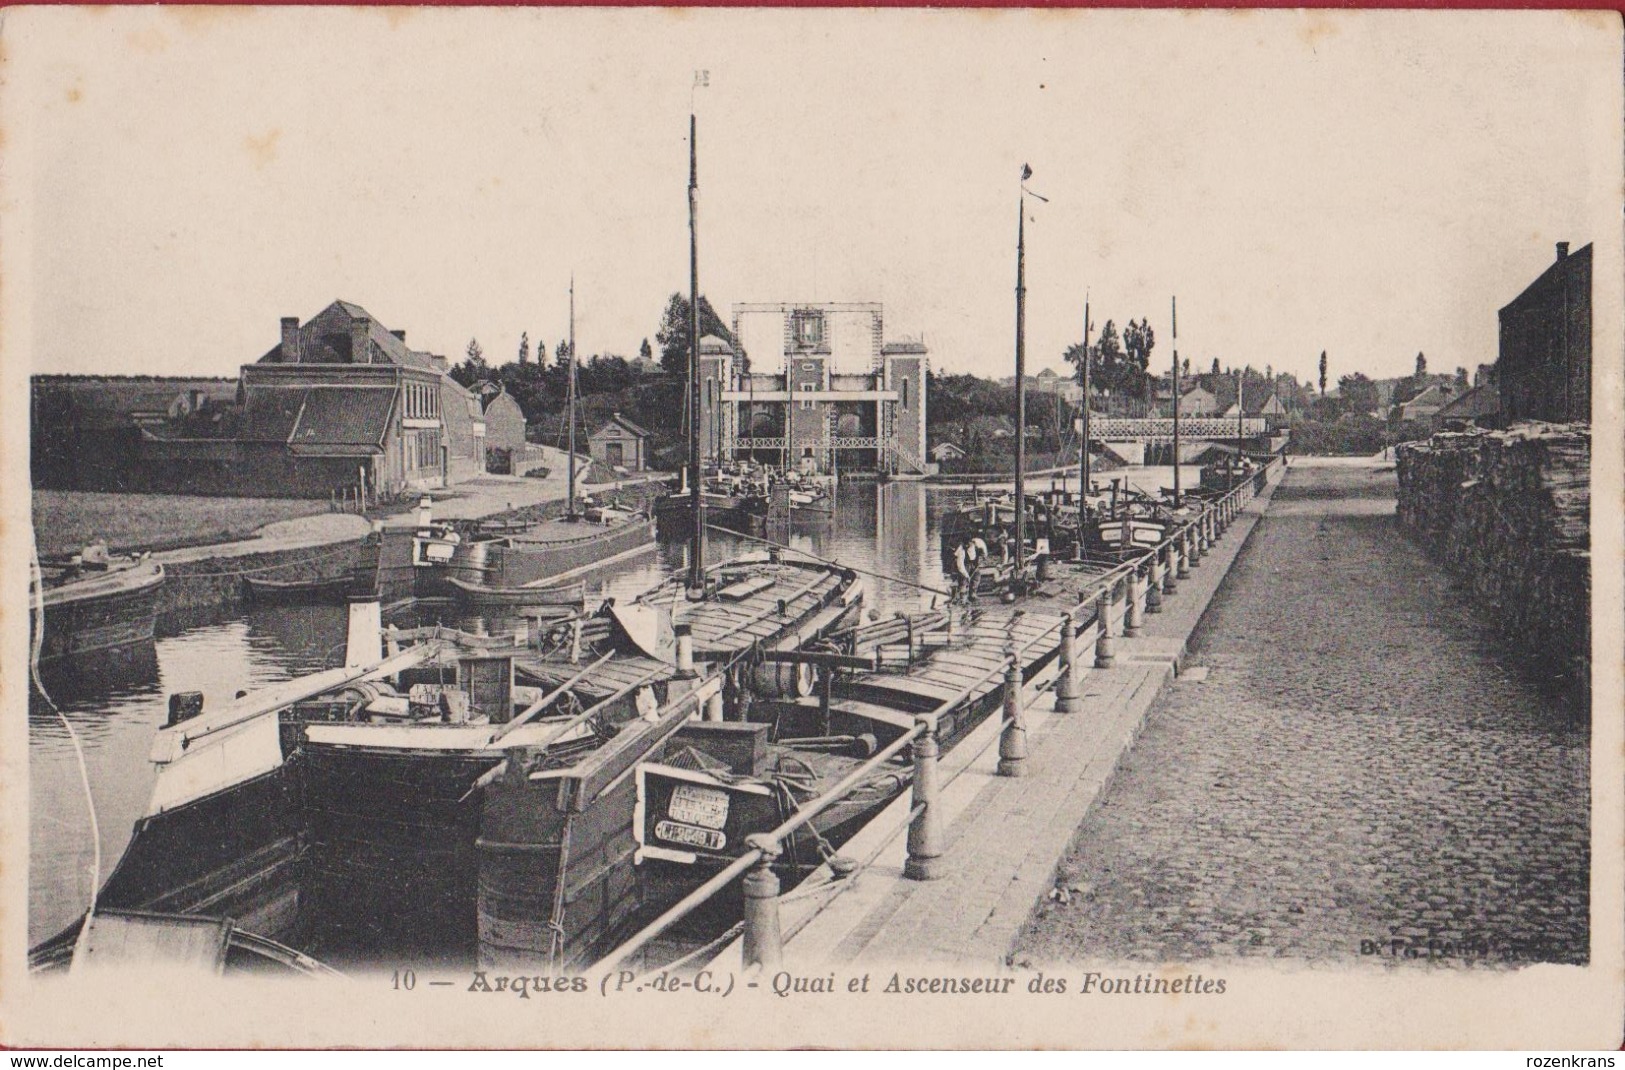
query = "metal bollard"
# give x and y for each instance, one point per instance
(764, 940)
(925, 831)
(1013, 743)
(1170, 574)
(1104, 654)
(1042, 568)
(1068, 695)
(1153, 588)
(1131, 611)
(1197, 547)
(1183, 546)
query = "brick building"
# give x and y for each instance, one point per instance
(840, 395)
(1544, 370)
(620, 443)
(343, 387)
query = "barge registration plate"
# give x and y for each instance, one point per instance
(706, 807)
(689, 836)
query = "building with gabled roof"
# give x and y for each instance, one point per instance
(342, 385)
(620, 443)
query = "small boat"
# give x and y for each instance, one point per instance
(330, 590)
(567, 600)
(744, 512)
(546, 553)
(95, 602)
(142, 940)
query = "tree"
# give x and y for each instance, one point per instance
(1421, 365)
(1186, 371)
(645, 352)
(1322, 373)
(672, 336)
(1138, 341)
(473, 369)
(561, 353)
(1215, 366)
(524, 347)
(1461, 378)
(1358, 392)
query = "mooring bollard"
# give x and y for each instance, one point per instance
(1183, 546)
(713, 706)
(1170, 574)
(1041, 568)
(1104, 654)
(1068, 695)
(1131, 611)
(764, 940)
(1013, 743)
(925, 831)
(1153, 587)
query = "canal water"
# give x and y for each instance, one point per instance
(116, 708)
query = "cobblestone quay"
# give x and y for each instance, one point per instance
(1358, 775)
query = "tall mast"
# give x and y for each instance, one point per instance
(1241, 410)
(1083, 460)
(696, 550)
(1021, 372)
(1174, 381)
(570, 392)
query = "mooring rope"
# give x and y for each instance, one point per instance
(35, 648)
(833, 564)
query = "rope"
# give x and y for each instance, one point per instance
(78, 748)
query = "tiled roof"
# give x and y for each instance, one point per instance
(343, 416)
(269, 413)
(624, 422)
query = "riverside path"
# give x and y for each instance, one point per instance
(1349, 768)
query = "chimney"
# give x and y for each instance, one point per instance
(290, 340)
(399, 334)
(360, 350)
(1562, 250)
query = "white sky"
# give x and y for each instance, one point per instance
(1372, 185)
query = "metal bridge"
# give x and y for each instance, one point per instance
(1159, 429)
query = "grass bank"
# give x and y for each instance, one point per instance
(67, 520)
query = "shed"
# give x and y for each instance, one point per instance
(620, 443)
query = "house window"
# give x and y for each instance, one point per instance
(808, 388)
(905, 392)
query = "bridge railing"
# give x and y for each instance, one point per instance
(1119, 598)
(1214, 427)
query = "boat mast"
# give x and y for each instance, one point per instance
(1174, 381)
(696, 551)
(1021, 367)
(570, 500)
(1241, 410)
(1083, 460)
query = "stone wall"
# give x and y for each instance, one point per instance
(1509, 512)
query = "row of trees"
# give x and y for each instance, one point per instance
(541, 386)
(1118, 366)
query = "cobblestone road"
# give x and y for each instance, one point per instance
(1359, 764)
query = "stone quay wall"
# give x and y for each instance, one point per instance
(1509, 512)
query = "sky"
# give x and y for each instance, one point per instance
(1372, 185)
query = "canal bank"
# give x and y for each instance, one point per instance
(200, 579)
(1003, 835)
(1348, 771)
